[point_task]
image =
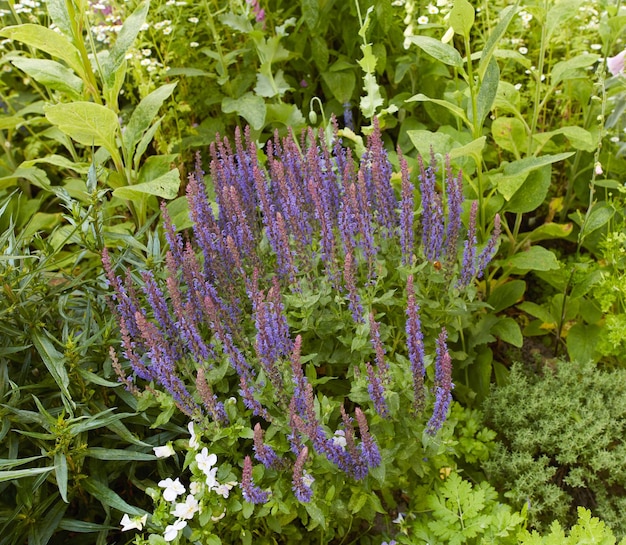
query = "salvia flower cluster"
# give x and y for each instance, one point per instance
(307, 213)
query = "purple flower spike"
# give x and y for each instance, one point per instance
(415, 345)
(432, 219)
(262, 452)
(368, 447)
(443, 385)
(407, 235)
(468, 266)
(489, 251)
(251, 493)
(300, 482)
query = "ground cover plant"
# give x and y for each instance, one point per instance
(359, 288)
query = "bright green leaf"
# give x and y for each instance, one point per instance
(249, 106)
(51, 74)
(536, 258)
(165, 186)
(435, 48)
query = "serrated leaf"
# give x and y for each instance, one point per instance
(165, 186)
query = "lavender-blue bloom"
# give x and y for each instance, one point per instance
(468, 265)
(300, 488)
(407, 235)
(415, 345)
(250, 492)
(432, 218)
(443, 385)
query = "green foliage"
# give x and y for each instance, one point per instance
(69, 438)
(560, 442)
(587, 530)
(455, 512)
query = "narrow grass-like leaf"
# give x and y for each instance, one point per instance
(60, 470)
(55, 363)
(103, 493)
(100, 453)
(22, 473)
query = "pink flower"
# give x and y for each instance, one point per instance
(616, 64)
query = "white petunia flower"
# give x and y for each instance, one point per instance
(187, 509)
(193, 442)
(173, 489)
(164, 452)
(135, 523)
(205, 461)
(171, 531)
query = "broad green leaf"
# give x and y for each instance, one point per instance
(549, 231)
(462, 17)
(487, 92)
(51, 74)
(47, 40)
(508, 330)
(60, 470)
(23, 473)
(144, 114)
(435, 48)
(58, 161)
(506, 16)
(129, 31)
(582, 341)
(249, 106)
(536, 258)
(559, 13)
(287, 114)
(316, 515)
(578, 137)
(507, 295)
(34, 175)
(341, 83)
(423, 140)
(310, 12)
(88, 123)
(456, 110)
(507, 99)
(532, 193)
(55, 363)
(10, 122)
(572, 68)
(509, 133)
(165, 186)
(516, 172)
(108, 497)
(480, 377)
(473, 149)
(57, 9)
(599, 216)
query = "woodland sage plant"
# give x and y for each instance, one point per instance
(301, 327)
